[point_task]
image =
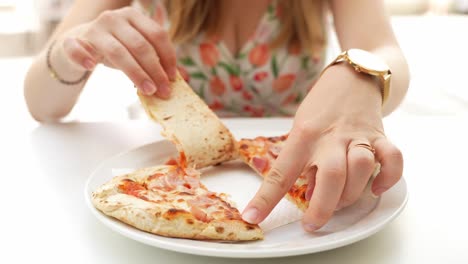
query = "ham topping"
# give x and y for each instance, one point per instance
(155, 176)
(199, 214)
(188, 179)
(191, 182)
(260, 163)
(173, 179)
(192, 173)
(198, 205)
(274, 151)
(202, 201)
(131, 188)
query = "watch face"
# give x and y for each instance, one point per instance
(367, 60)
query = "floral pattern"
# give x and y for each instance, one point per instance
(258, 81)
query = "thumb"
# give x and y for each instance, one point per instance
(288, 166)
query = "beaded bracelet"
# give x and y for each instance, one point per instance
(54, 74)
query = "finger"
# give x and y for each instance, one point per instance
(121, 58)
(79, 54)
(89, 48)
(160, 39)
(145, 55)
(360, 165)
(287, 167)
(330, 181)
(310, 176)
(391, 170)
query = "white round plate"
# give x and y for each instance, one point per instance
(241, 183)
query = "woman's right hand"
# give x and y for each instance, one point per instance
(127, 40)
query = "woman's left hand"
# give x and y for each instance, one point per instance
(342, 111)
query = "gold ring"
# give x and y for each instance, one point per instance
(366, 146)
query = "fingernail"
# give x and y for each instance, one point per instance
(377, 191)
(172, 74)
(164, 90)
(310, 227)
(148, 87)
(250, 215)
(88, 64)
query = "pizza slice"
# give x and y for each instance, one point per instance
(261, 152)
(200, 137)
(169, 200)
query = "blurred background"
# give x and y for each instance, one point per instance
(432, 33)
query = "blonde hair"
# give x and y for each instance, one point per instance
(302, 21)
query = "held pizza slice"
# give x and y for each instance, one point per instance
(200, 137)
(168, 200)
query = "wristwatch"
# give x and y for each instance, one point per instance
(365, 62)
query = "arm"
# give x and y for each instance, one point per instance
(341, 114)
(48, 99)
(99, 32)
(364, 24)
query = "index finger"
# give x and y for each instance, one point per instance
(288, 166)
(160, 40)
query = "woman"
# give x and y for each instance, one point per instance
(250, 58)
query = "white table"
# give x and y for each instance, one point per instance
(44, 218)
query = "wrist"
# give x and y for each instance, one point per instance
(368, 63)
(354, 85)
(61, 67)
(360, 83)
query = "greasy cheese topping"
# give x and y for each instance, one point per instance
(259, 146)
(261, 152)
(180, 189)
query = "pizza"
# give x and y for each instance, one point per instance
(260, 154)
(170, 200)
(200, 137)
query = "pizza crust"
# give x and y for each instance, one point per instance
(167, 219)
(199, 135)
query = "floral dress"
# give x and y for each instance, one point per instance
(256, 82)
